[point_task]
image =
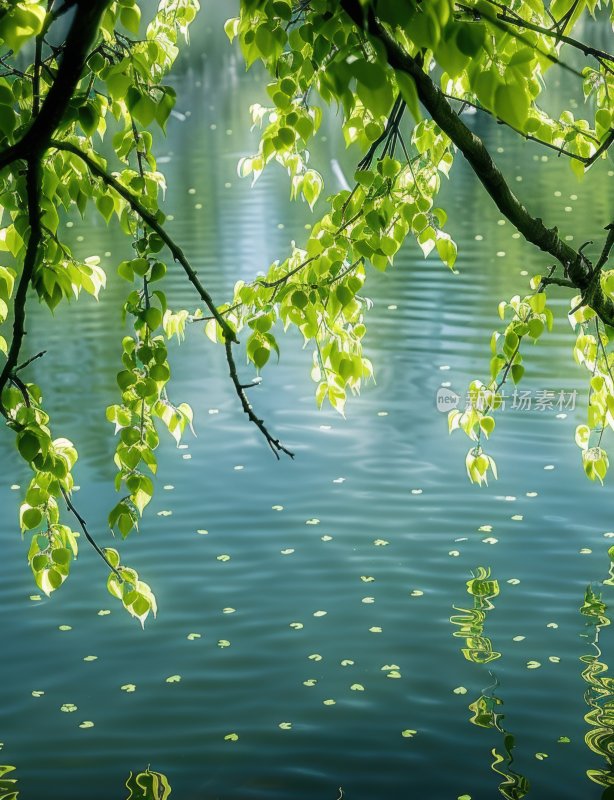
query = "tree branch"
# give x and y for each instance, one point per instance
(88, 536)
(275, 445)
(151, 221)
(609, 244)
(578, 269)
(179, 256)
(513, 19)
(81, 35)
(33, 183)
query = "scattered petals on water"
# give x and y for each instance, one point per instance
(86, 724)
(223, 557)
(585, 551)
(485, 528)
(531, 494)
(35, 597)
(287, 552)
(68, 708)
(193, 636)
(168, 487)
(380, 542)
(231, 737)
(104, 612)
(320, 613)
(90, 658)
(533, 665)
(128, 687)
(229, 610)
(310, 682)
(375, 629)
(285, 726)
(554, 659)
(563, 740)
(326, 538)
(394, 673)
(514, 581)
(347, 662)
(312, 521)
(315, 657)
(366, 578)
(541, 756)
(408, 733)
(416, 491)
(357, 687)
(173, 679)
(165, 512)
(338, 480)
(223, 643)
(65, 627)
(552, 625)
(454, 553)
(329, 702)
(517, 517)
(368, 600)
(490, 540)
(38, 693)
(460, 690)
(416, 593)
(519, 638)
(202, 531)
(277, 508)
(296, 625)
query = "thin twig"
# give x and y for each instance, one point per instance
(275, 445)
(609, 243)
(88, 536)
(29, 361)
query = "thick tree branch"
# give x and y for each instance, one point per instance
(577, 268)
(83, 32)
(33, 181)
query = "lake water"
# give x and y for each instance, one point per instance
(367, 540)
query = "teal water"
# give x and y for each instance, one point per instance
(388, 473)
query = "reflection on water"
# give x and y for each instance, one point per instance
(599, 695)
(485, 710)
(478, 648)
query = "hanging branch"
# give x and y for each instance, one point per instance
(150, 219)
(88, 535)
(578, 269)
(275, 445)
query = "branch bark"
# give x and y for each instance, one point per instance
(577, 268)
(33, 181)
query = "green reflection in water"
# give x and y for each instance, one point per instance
(478, 648)
(599, 695)
(485, 710)
(148, 785)
(7, 785)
